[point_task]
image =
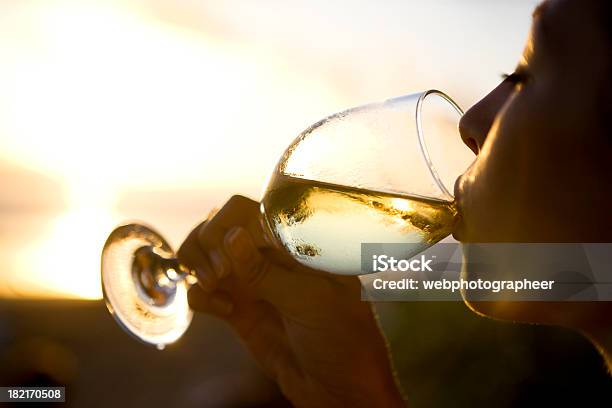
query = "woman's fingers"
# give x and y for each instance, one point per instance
(238, 211)
(209, 266)
(233, 245)
(216, 303)
(267, 280)
(205, 249)
(191, 255)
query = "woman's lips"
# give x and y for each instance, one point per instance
(457, 188)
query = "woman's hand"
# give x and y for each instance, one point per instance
(308, 330)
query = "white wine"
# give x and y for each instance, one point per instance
(323, 225)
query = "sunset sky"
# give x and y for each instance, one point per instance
(160, 110)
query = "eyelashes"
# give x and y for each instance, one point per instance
(515, 78)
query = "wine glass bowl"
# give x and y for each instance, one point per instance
(378, 173)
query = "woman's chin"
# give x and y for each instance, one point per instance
(510, 311)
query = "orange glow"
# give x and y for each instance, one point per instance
(61, 263)
(106, 100)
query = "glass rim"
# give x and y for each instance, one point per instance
(421, 136)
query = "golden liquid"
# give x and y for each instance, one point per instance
(323, 225)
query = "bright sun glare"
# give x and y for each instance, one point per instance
(97, 95)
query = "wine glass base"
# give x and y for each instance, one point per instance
(154, 315)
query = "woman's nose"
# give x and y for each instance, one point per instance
(471, 133)
(477, 121)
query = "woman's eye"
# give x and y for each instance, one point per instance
(516, 78)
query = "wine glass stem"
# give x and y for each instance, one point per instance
(177, 273)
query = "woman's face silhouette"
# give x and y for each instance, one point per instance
(543, 171)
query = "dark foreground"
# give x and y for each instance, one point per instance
(445, 356)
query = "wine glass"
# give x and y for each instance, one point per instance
(381, 172)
